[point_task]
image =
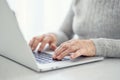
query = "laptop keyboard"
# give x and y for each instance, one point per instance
(44, 58)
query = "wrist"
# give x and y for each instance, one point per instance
(92, 48)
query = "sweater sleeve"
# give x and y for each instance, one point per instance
(65, 32)
(107, 47)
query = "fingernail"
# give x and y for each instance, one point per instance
(39, 51)
(56, 59)
(59, 58)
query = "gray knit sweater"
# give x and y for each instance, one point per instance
(98, 20)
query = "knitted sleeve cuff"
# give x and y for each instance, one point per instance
(61, 37)
(100, 47)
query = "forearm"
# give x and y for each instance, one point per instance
(107, 47)
(61, 37)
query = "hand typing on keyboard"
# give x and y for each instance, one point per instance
(76, 46)
(44, 58)
(43, 39)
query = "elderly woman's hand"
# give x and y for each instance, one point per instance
(76, 47)
(43, 39)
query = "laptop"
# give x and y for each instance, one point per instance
(14, 47)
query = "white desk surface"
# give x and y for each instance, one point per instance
(108, 69)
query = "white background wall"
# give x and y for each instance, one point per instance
(36, 17)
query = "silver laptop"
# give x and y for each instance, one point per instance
(14, 46)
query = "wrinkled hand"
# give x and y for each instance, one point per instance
(43, 39)
(76, 47)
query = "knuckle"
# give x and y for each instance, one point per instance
(38, 37)
(65, 45)
(52, 36)
(70, 48)
(45, 40)
(34, 45)
(34, 38)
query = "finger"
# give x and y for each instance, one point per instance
(60, 49)
(35, 44)
(43, 44)
(78, 53)
(36, 41)
(57, 52)
(53, 46)
(40, 38)
(31, 43)
(63, 54)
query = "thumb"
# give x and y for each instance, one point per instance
(53, 46)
